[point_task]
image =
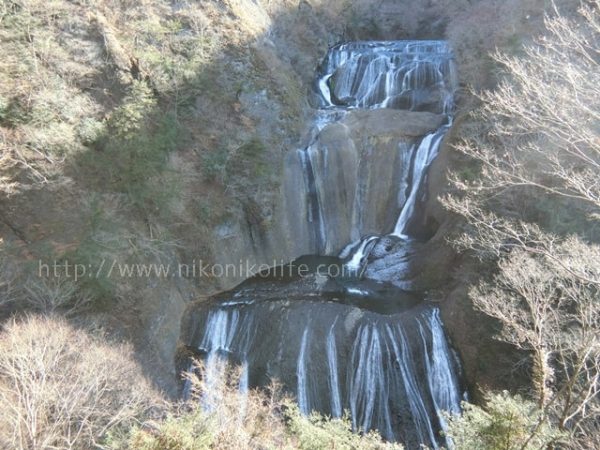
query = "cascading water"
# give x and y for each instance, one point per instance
(393, 372)
(424, 154)
(355, 341)
(413, 75)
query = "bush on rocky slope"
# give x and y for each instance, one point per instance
(230, 420)
(504, 422)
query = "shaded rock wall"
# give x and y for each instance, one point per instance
(446, 275)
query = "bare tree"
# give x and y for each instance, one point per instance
(537, 135)
(544, 116)
(46, 295)
(62, 388)
(548, 312)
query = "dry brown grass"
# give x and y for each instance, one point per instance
(62, 388)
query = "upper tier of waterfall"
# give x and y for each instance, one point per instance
(355, 186)
(412, 75)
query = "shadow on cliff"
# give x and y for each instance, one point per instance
(182, 160)
(168, 164)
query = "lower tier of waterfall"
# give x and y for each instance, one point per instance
(337, 344)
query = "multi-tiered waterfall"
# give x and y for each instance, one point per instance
(355, 339)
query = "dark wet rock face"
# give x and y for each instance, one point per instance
(351, 333)
(386, 245)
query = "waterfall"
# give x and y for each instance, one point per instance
(440, 371)
(368, 390)
(391, 74)
(314, 216)
(357, 253)
(420, 415)
(342, 344)
(334, 384)
(425, 153)
(380, 379)
(301, 373)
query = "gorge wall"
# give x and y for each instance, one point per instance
(233, 76)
